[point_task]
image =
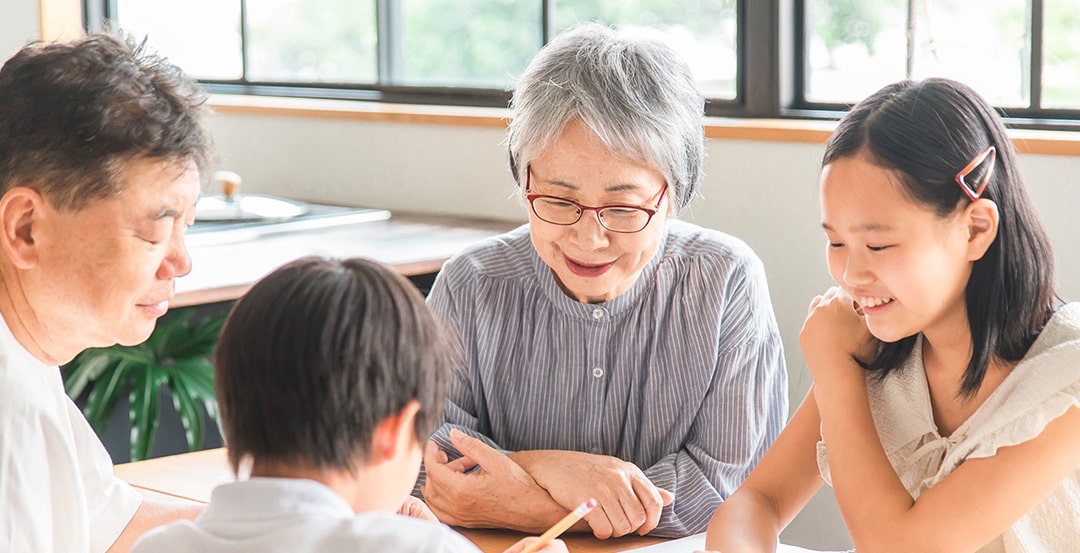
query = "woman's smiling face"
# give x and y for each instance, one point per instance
(591, 263)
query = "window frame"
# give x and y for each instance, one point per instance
(770, 83)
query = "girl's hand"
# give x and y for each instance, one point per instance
(834, 334)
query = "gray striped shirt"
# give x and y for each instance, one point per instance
(683, 374)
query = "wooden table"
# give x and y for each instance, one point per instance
(192, 476)
(412, 244)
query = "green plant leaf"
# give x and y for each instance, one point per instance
(102, 399)
(191, 415)
(207, 332)
(85, 369)
(145, 391)
(198, 375)
(133, 354)
(175, 355)
(158, 345)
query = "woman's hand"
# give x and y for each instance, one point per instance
(555, 546)
(834, 335)
(627, 500)
(415, 508)
(484, 489)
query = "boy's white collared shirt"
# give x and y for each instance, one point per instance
(268, 515)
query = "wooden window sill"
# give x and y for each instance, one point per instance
(1061, 143)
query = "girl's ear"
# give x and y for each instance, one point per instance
(982, 221)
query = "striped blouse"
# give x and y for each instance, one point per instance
(683, 374)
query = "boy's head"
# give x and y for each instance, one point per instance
(320, 352)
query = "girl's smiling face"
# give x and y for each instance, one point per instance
(907, 266)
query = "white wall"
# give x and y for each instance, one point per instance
(764, 192)
(18, 25)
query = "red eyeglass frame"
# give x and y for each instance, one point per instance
(651, 211)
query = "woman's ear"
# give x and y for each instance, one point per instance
(982, 221)
(395, 434)
(20, 210)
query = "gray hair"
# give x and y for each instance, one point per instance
(637, 95)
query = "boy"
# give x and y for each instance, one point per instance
(330, 374)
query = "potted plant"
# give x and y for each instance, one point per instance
(175, 357)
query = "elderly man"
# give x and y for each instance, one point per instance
(100, 154)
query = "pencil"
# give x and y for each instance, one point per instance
(559, 527)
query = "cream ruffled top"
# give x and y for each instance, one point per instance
(1040, 388)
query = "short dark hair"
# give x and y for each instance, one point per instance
(73, 114)
(926, 132)
(317, 354)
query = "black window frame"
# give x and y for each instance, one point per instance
(770, 79)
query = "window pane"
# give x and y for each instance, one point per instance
(473, 43)
(200, 36)
(853, 48)
(1061, 54)
(856, 47)
(985, 45)
(702, 31)
(328, 41)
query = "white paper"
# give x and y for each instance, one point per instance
(697, 543)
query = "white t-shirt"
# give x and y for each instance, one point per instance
(1041, 388)
(57, 489)
(294, 515)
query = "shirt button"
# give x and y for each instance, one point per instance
(595, 451)
(598, 372)
(598, 313)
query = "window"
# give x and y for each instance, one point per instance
(1022, 55)
(780, 58)
(452, 51)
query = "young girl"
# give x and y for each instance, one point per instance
(946, 373)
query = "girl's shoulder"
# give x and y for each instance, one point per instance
(1044, 385)
(1041, 388)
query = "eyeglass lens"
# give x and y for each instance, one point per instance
(563, 212)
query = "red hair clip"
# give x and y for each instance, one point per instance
(974, 192)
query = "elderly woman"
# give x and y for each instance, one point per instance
(100, 153)
(608, 351)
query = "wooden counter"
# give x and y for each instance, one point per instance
(413, 245)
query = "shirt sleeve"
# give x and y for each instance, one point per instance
(26, 487)
(110, 501)
(57, 490)
(741, 415)
(463, 408)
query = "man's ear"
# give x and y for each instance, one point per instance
(395, 433)
(20, 209)
(982, 219)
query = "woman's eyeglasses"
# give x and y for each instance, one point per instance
(616, 218)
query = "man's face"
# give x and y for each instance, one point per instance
(105, 273)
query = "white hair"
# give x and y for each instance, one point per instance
(636, 94)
